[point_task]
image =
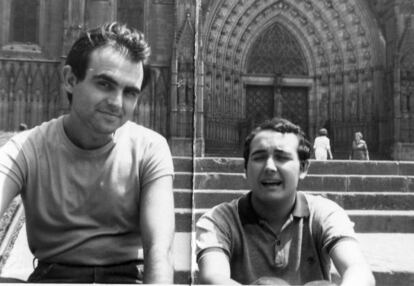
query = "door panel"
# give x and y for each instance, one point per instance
(259, 104)
(294, 104)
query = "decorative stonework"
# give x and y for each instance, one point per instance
(338, 39)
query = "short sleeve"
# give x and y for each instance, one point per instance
(13, 162)
(333, 223)
(157, 161)
(212, 231)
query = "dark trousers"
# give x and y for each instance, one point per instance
(126, 273)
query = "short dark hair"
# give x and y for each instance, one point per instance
(281, 125)
(323, 132)
(127, 41)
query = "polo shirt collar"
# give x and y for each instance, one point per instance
(248, 215)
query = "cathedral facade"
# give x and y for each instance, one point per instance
(221, 66)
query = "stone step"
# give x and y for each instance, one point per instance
(343, 183)
(366, 221)
(184, 198)
(339, 167)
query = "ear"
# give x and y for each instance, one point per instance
(69, 79)
(304, 166)
(147, 76)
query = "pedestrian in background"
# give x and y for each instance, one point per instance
(359, 149)
(322, 146)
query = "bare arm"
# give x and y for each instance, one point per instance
(214, 268)
(351, 264)
(366, 151)
(157, 221)
(329, 152)
(8, 190)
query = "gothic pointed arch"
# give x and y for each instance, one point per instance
(276, 51)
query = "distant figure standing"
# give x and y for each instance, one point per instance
(322, 146)
(359, 149)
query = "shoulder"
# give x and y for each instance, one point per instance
(329, 217)
(320, 206)
(224, 213)
(44, 132)
(138, 132)
(225, 209)
(133, 134)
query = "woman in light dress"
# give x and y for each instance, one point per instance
(322, 146)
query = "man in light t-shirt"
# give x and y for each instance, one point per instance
(96, 187)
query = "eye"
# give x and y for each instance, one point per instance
(131, 93)
(104, 84)
(259, 157)
(281, 157)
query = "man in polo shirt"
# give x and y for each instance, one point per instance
(276, 233)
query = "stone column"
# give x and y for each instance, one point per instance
(198, 144)
(74, 23)
(186, 108)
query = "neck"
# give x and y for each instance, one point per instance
(275, 213)
(83, 137)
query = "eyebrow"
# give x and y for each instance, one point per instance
(276, 151)
(113, 81)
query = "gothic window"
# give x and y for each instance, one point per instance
(24, 24)
(277, 51)
(131, 12)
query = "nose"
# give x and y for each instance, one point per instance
(115, 99)
(270, 165)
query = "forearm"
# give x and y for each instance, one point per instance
(158, 266)
(358, 275)
(217, 279)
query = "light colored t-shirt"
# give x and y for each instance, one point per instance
(82, 206)
(298, 254)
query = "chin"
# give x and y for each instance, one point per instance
(106, 130)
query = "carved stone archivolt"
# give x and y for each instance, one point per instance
(334, 40)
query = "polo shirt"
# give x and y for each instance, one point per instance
(298, 253)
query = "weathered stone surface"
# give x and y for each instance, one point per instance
(349, 201)
(377, 183)
(354, 167)
(217, 164)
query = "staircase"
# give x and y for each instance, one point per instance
(377, 195)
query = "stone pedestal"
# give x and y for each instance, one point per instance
(403, 151)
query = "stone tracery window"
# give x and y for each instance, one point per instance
(277, 51)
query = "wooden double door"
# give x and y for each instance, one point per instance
(265, 102)
(225, 135)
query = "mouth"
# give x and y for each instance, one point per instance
(271, 182)
(110, 113)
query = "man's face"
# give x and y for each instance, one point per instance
(274, 169)
(106, 98)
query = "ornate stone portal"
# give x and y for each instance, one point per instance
(221, 66)
(318, 63)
